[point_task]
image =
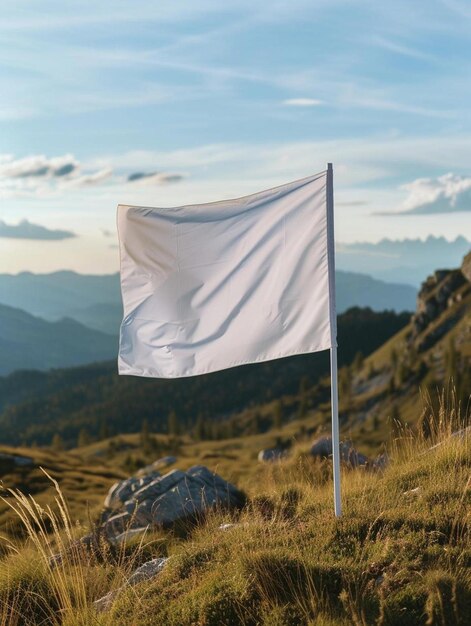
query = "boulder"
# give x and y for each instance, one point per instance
(322, 449)
(123, 490)
(174, 497)
(271, 454)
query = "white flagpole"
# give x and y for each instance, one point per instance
(333, 349)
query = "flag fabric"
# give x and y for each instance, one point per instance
(210, 286)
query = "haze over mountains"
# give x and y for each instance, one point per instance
(28, 342)
(403, 260)
(95, 301)
(35, 337)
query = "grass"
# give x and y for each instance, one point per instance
(400, 554)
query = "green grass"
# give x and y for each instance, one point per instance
(393, 558)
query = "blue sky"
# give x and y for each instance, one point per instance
(211, 100)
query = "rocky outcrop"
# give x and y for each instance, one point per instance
(433, 297)
(439, 292)
(165, 500)
(466, 267)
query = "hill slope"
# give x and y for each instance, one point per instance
(28, 342)
(399, 555)
(430, 354)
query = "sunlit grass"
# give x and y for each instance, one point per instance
(400, 554)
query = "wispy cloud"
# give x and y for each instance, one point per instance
(38, 166)
(154, 178)
(88, 180)
(40, 175)
(28, 230)
(401, 49)
(302, 102)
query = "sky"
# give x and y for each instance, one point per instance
(177, 102)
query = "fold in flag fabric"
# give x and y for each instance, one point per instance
(211, 286)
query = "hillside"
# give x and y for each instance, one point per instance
(28, 342)
(35, 406)
(429, 355)
(399, 555)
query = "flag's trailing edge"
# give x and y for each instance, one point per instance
(211, 286)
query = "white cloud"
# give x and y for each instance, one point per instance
(41, 175)
(302, 102)
(38, 166)
(27, 230)
(446, 194)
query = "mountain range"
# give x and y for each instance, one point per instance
(28, 342)
(36, 405)
(95, 301)
(404, 261)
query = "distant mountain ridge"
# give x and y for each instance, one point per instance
(95, 301)
(28, 342)
(403, 260)
(36, 405)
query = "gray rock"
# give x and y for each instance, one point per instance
(10, 461)
(123, 490)
(381, 461)
(147, 571)
(165, 461)
(322, 449)
(175, 497)
(271, 454)
(128, 534)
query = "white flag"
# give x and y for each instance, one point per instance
(211, 286)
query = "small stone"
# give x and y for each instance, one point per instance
(144, 572)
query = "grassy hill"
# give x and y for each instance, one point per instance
(429, 357)
(399, 556)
